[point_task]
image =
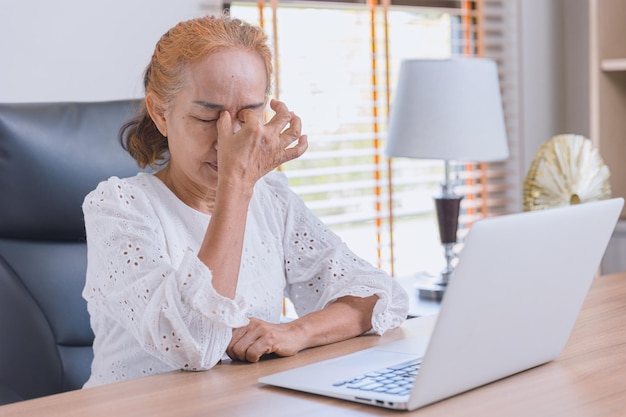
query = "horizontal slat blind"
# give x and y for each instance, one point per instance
(499, 24)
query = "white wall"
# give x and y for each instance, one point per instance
(576, 99)
(82, 50)
(540, 71)
(554, 71)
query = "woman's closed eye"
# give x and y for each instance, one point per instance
(205, 119)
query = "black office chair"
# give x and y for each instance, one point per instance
(51, 156)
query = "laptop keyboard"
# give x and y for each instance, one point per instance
(396, 380)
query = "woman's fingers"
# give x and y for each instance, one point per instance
(297, 150)
(293, 132)
(282, 118)
(224, 125)
(290, 126)
(247, 344)
(251, 342)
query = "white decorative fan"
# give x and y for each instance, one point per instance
(567, 169)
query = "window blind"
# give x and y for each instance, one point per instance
(337, 64)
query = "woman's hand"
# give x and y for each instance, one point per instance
(259, 338)
(249, 148)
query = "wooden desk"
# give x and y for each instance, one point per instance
(588, 379)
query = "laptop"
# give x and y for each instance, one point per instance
(518, 287)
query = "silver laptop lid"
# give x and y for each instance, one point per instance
(514, 297)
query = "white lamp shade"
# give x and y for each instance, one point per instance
(448, 109)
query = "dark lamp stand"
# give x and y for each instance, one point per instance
(448, 207)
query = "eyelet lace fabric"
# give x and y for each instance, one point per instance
(152, 305)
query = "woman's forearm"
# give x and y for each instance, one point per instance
(223, 242)
(345, 318)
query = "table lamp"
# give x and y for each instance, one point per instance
(451, 110)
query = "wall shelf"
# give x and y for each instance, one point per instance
(609, 65)
(607, 46)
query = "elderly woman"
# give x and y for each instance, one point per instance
(192, 262)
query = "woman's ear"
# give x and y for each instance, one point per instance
(156, 112)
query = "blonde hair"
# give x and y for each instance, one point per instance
(185, 43)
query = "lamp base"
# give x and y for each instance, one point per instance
(431, 287)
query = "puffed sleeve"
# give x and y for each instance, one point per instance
(168, 306)
(320, 268)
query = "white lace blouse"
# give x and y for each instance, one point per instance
(150, 298)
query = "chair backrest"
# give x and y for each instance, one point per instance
(51, 156)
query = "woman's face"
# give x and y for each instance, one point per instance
(231, 80)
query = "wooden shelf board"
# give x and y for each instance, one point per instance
(613, 64)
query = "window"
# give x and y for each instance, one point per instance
(337, 65)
